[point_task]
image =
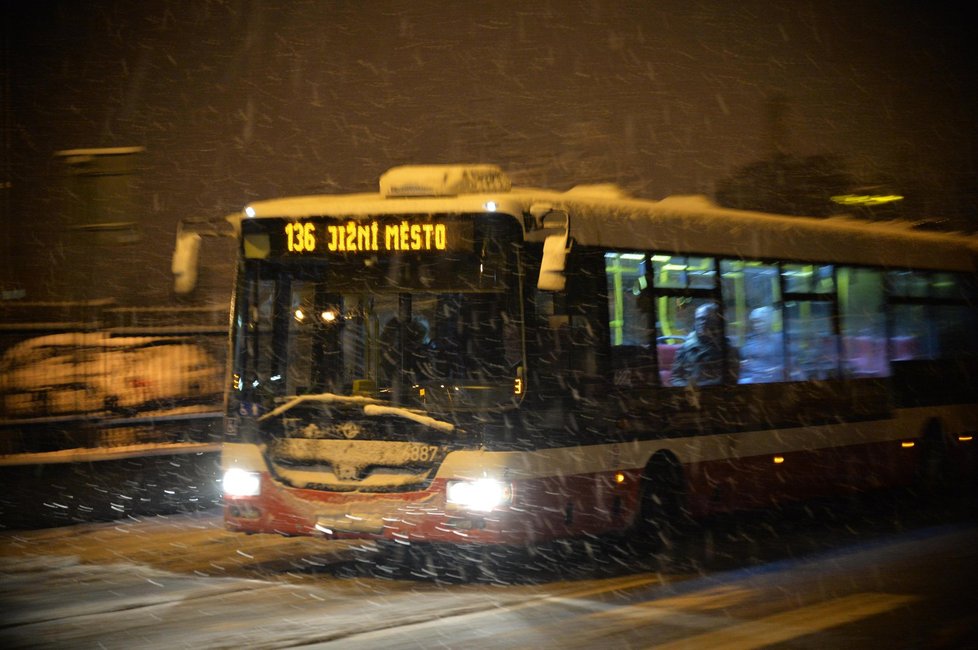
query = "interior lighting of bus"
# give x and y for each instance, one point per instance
(641, 285)
(908, 444)
(328, 316)
(778, 460)
(964, 438)
(619, 477)
(617, 271)
(693, 271)
(299, 315)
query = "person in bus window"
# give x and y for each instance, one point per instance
(700, 360)
(763, 350)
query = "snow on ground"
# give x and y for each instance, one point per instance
(184, 581)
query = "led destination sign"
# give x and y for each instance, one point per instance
(372, 236)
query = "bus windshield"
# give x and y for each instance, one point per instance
(421, 329)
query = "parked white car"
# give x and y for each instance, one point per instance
(92, 372)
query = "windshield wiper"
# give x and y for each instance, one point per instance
(326, 398)
(375, 409)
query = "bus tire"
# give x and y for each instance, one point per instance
(660, 517)
(391, 560)
(934, 469)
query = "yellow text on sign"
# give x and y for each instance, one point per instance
(408, 236)
(353, 237)
(300, 237)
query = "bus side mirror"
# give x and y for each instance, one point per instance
(186, 262)
(551, 278)
(555, 232)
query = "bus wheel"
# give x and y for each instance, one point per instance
(391, 560)
(660, 517)
(934, 474)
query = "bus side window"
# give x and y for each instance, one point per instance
(752, 299)
(632, 363)
(682, 285)
(862, 310)
(812, 345)
(809, 302)
(931, 315)
(572, 323)
(586, 290)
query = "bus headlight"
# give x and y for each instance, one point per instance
(483, 494)
(241, 483)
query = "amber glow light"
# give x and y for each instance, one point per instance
(866, 199)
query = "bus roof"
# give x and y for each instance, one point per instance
(603, 216)
(694, 225)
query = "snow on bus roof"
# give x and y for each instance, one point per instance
(409, 189)
(695, 225)
(443, 180)
(372, 204)
(602, 215)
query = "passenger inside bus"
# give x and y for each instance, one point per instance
(763, 349)
(700, 361)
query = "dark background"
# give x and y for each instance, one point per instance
(235, 101)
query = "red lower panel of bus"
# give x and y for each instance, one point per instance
(765, 481)
(565, 506)
(544, 508)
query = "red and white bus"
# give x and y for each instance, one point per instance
(455, 360)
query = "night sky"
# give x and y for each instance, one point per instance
(235, 101)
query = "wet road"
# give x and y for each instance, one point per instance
(881, 574)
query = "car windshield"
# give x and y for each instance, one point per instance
(416, 329)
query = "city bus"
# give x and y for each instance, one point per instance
(454, 360)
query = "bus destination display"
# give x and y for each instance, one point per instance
(370, 236)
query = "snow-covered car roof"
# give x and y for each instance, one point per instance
(24, 349)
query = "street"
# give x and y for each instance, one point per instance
(873, 576)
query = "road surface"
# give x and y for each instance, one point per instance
(863, 580)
